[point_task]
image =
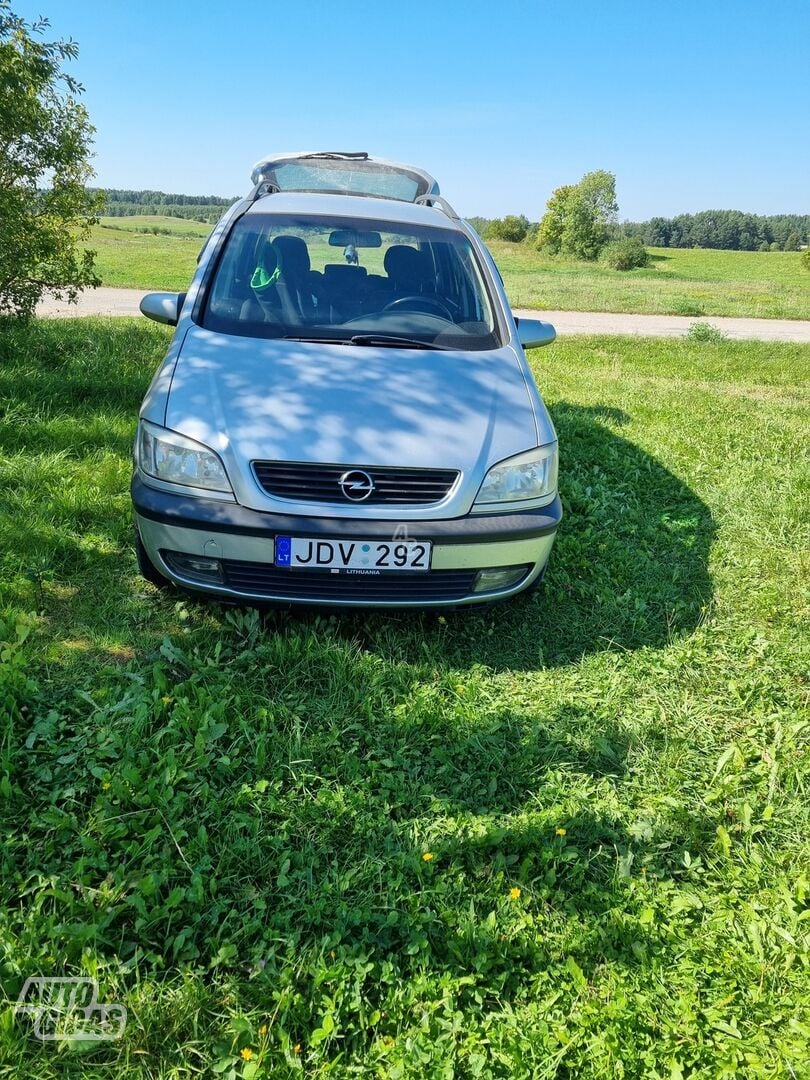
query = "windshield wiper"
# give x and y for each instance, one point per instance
(393, 341)
(315, 340)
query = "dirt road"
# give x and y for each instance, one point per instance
(125, 302)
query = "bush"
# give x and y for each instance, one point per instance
(805, 259)
(512, 227)
(705, 334)
(626, 254)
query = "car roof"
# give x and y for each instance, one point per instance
(353, 206)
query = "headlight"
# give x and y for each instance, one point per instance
(176, 459)
(529, 476)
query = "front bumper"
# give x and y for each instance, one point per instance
(243, 541)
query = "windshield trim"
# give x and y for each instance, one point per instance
(500, 331)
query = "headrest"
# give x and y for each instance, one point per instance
(403, 263)
(294, 254)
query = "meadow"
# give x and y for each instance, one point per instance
(130, 259)
(563, 837)
(679, 282)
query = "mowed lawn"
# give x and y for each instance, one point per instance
(767, 285)
(564, 837)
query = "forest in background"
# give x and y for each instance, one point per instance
(731, 230)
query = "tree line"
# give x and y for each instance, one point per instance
(124, 202)
(731, 230)
(161, 198)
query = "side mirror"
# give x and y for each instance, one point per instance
(532, 333)
(163, 307)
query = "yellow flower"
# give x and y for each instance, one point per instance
(263, 1029)
(246, 1053)
(442, 620)
(427, 856)
(105, 785)
(559, 832)
(514, 892)
(297, 1048)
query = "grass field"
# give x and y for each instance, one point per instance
(566, 837)
(136, 260)
(689, 281)
(681, 282)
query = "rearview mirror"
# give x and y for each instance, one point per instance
(532, 333)
(344, 237)
(163, 307)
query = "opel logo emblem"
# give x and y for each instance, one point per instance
(356, 485)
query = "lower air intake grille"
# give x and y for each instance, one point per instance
(321, 483)
(264, 579)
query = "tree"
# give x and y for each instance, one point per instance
(45, 137)
(792, 242)
(553, 221)
(579, 217)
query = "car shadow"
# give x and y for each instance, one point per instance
(629, 568)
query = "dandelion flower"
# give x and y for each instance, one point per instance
(559, 832)
(297, 1048)
(442, 620)
(428, 856)
(263, 1029)
(246, 1054)
(514, 892)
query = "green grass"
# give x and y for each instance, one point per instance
(137, 260)
(223, 815)
(770, 285)
(759, 284)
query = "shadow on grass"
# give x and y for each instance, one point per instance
(628, 570)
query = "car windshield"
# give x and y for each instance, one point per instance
(350, 280)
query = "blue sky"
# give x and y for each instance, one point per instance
(692, 105)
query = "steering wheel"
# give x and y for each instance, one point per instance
(421, 303)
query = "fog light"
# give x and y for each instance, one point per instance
(498, 577)
(193, 566)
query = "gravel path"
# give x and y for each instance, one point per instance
(125, 302)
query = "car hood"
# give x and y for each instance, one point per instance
(252, 399)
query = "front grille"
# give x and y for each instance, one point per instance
(264, 579)
(321, 483)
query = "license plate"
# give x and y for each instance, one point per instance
(352, 556)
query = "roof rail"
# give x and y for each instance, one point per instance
(439, 201)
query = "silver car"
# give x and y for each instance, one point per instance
(345, 415)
